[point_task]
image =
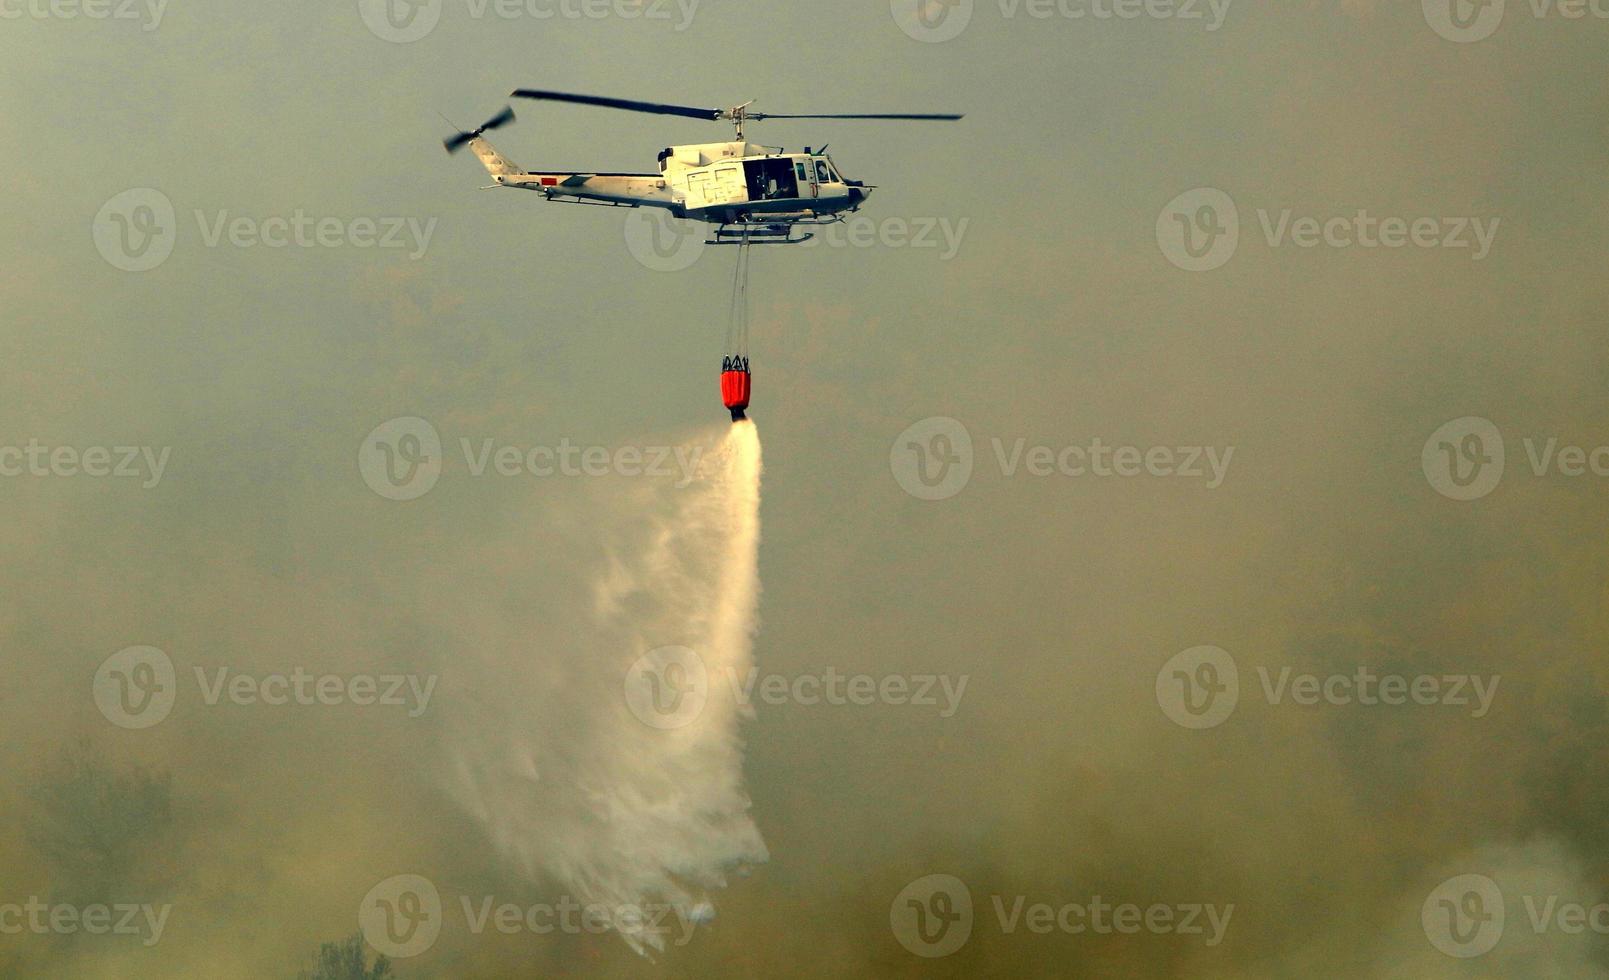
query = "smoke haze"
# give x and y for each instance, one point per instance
(1343, 833)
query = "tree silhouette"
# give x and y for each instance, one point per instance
(107, 832)
(346, 960)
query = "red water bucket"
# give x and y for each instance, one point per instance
(736, 385)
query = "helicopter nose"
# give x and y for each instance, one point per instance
(859, 193)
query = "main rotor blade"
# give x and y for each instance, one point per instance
(628, 104)
(935, 117)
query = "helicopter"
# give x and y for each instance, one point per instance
(753, 194)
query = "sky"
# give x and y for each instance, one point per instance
(1227, 374)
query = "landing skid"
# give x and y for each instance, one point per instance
(756, 233)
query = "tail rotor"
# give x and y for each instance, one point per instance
(458, 141)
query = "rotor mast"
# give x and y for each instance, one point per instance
(738, 114)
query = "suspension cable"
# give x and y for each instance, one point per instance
(737, 313)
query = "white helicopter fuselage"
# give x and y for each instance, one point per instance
(719, 183)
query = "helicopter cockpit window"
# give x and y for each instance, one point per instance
(823, 174)
(800, 172)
